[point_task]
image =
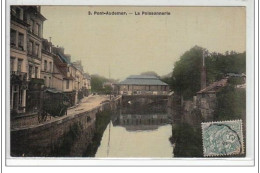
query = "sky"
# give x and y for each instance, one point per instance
(130, 44)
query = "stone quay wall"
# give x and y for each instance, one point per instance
(41, 140)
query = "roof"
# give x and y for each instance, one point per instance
(142, 77)
(63, 58)
(214, 87)
(142, 80)
(62, 68)
(53, 90)
(236, 75)
(87, 76)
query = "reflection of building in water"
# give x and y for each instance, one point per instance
(142, 122)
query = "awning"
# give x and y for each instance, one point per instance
(53, 90)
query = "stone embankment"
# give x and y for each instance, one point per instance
(46, 138)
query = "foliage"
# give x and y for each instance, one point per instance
(97, 84)
(54, 109)
(53, 104)
(150, 73)
(80, 94)
(102, 120)
(168, 80)
(236, 80)
(186, 73)
(231, 103)
(188, 140)
(37, 81)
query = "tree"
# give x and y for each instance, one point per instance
(97, 83)
(101, 84)
(186, 73)
(150, 73)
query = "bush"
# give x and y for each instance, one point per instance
(188, 140)
(231, 104)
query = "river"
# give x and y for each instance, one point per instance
(137, 135)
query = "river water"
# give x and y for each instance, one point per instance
(137, 135)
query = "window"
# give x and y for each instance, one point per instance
(36, 72)
(67, 84)
(45, 65)
(21, 41)
(37, 29)
(30, 47)
(12, 64)
(20, 97)
(19, 13)
(37, 50)
(19, 66)
(50, 66)
(45, 80)
(31, 23)
(13, 38)
(49, 81)
(30, 71)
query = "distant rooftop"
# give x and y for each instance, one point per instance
(142, 77)
(142, 80)
(236, 75)
(214, 87)
(63, 58)
(87, 76)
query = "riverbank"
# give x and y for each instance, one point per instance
(87, 103)
(42, 139)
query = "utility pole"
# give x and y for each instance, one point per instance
(108, 144)
(109, 73)
(203, 72)
(109, 77)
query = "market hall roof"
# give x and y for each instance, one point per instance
(142, 80)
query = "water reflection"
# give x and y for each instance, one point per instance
(141, 122)
(137, 135)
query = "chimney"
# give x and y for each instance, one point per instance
(61, 49)
(203, 77)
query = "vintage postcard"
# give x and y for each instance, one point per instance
(162, 82)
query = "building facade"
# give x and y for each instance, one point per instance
(37, 66)
(18, 60)
(142, 85)
(86, 84)
(47, 63)
(206, 99)
(34, 40)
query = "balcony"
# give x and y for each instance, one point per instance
(36, 84)
(18, 77)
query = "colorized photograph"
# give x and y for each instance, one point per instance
(127, 81)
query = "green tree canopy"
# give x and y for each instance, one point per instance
(150, 73)
(186, 72)
(100, 85)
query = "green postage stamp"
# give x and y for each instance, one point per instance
(222, 138)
